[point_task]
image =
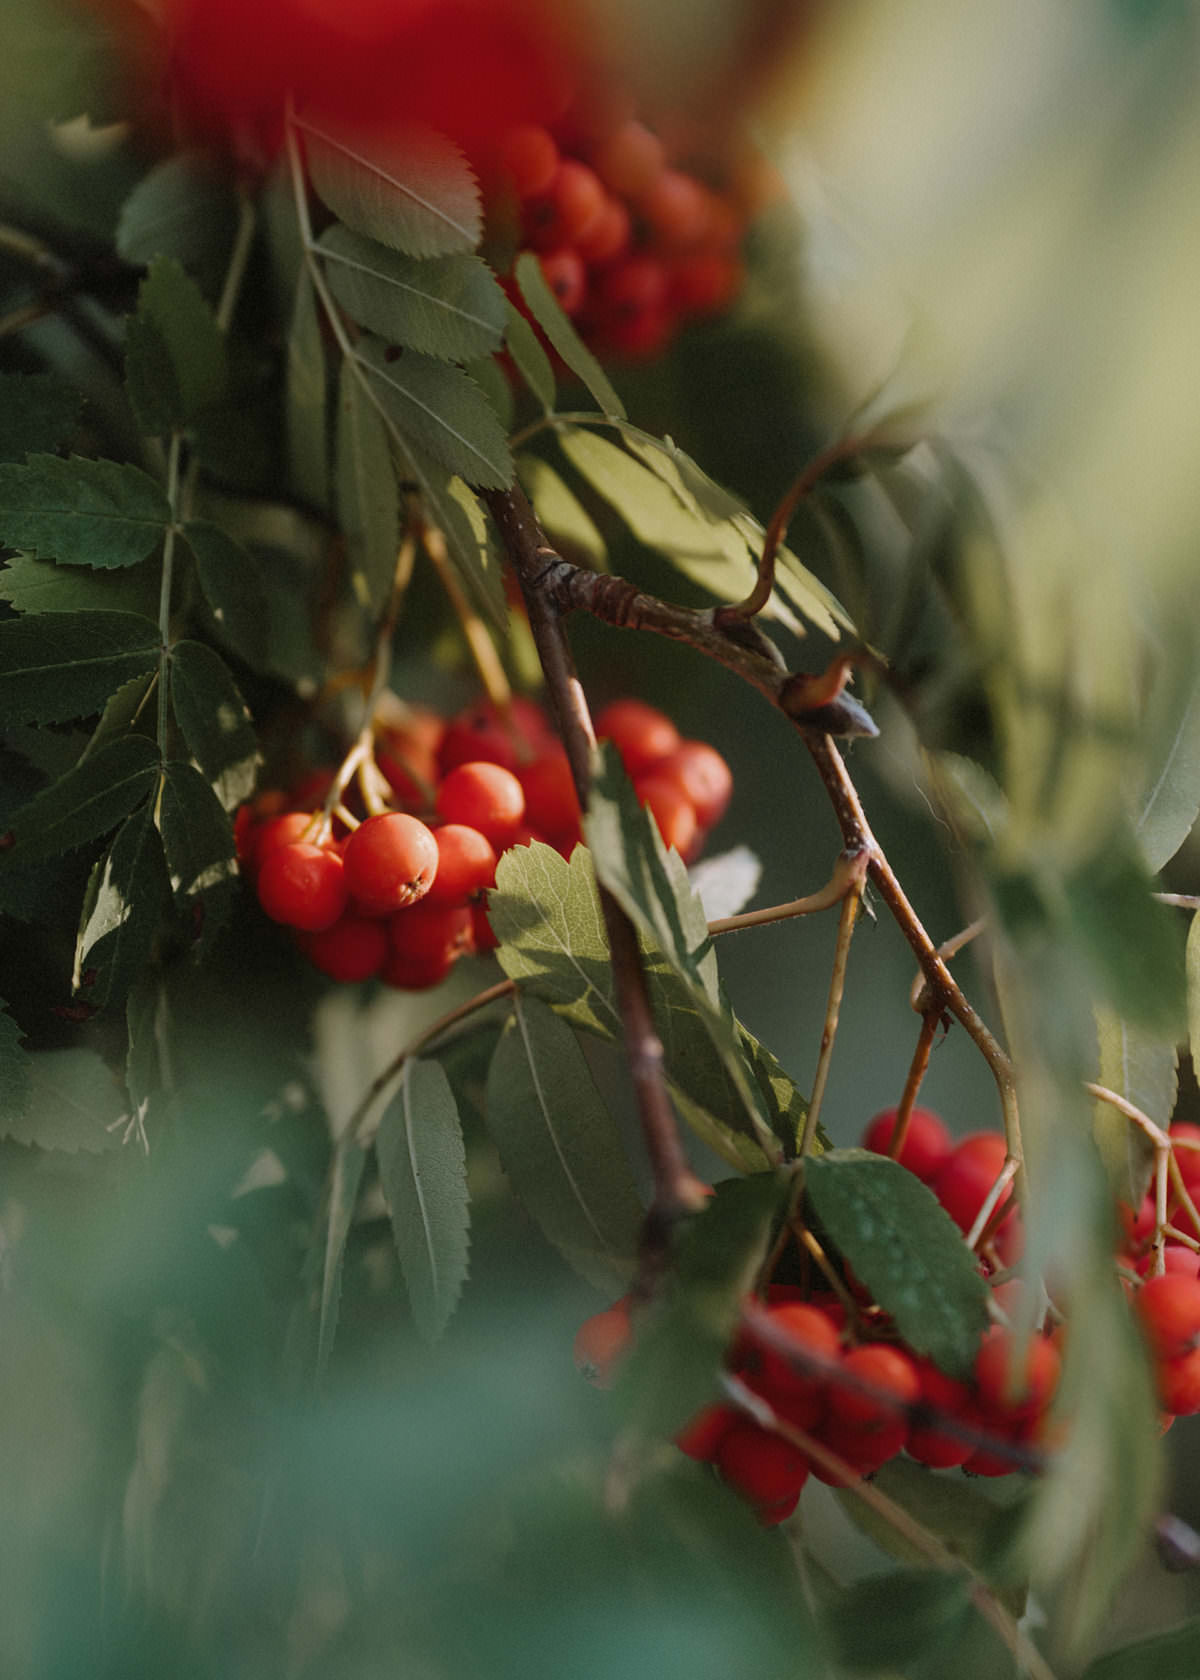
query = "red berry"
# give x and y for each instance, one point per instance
(1169, 1310)
(481, 929)
(629, 159)
(1181, 1261)
(965, 1182)
(566, 275)
(483, 796)
(466, 864)
(863, 1449)
(562, 214)
(671, 809)
(890, 1384)
(1139, 1227)
(703, 775)
(600, 1342)
(927, 1443)
(1183, 1135)
(425, 942)
(1011, 1393)
(481, 732)
(706, 282)
(631, 289)
(303, 886)
(530, 159)
(764, 1468)
(551, 803)
(640, 733)
(701, 1437)
(927, 1144)
(391, 861)
(815, 1338)
(678, 208)
(608, 237)
(354, 948)
(1179, 1384)
(283, 830)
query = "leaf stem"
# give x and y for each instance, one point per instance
(916, 1073)
(837, 984)
(847, 874)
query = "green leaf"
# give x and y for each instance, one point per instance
(174, 351)
(15, 1075)
(458, 515)
(1193, 987)
(561, 514)
(673, 1368)
(905, 1248)
(1134, 944)
(214, 720)
(496, 386)
(442, 410)
(1170, 803)
(413, 191)
(145, 1023)
(118, 931)
(547, 312)
(181, 208)
(81, 512)
(197, 839)
(39, 412)
(1142, 1068)
(559, 1146)
(345, 1178)
(304, 398)
(529, 359)
(39, 586)
(368, 500)
(1174, 1655)
(449, 307)
(74, 1103)
(229, 577)
(889, 1621)
(423, 1172)
(87, 802)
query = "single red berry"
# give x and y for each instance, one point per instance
(706, 282)
(929, 1443)
(354, 948)
(863, 1449)
(563, 214)
(678, 208)
(565, 273)
(551, 802)
(889, 1384)
(608, 237)
(816, 1340)
(671, 809)
(1008, 1390)
(701, 1437)
(601, 1341)
(1180, 1261)
(1179, 1384)
(640, 733)
(426, 941)
(1185, 1138)
(283, 830)
(703, 776)
(1169, 1310)
(927, 1143)
(630, 289)
(764, 1468)
(629, 159)
(530, 159)
(466, 864)
(303, 886)
(1138, 1227)
(391, 861)
(483, 732)
(483, 796)
(965, 1181)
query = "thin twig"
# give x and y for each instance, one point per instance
(918, 996)
(916, 1073)
(837, 983)
(475, 631)
(847, 873)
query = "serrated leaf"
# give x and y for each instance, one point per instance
(15, 1075)
(174, 351)
(725, 884)
(39, 412)
(181, 208)
(228, 575)
(547, 312)
(449, 307)
(672, 1369)
(1170, 803)
(197, 839)
(39, 586)
(120, 713)
(441, 410)
(215, 723)
(559, 1146)
(1143, 1069)
(905, 1248)
(496, 387)
(1193, 988)
(1174, 1655)
(368, 500)
(81, 512)
(74, 1104)
(412, 191)
(117, 934)
(561, 514)
(423, 1173)
(458, 515)
(90, 800)
(529, 359)
(304, 398)
(345, 1178)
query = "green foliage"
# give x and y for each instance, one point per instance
(368, 501)
(230, 580)
(15, 1079)
(305, 398)
(214, 721)
(197, 842)
(1165, 1656)
(40, 586)
(181, 208)
(414, 192)
(546, 311)
(1169, 807)
(345, 1180)
(448, 307)
(441, 410)
(559, 1147)
(423, 1173)
(1193, 986)
(529, 359)
(561, 514)
(39, 412)
(1142, 1068)
(80, 512)
(90, 800)
(74, 1104)
(174, 351)
(897, 1238)
(121, 915)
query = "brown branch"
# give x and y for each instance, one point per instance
(837, 982)
(916, 1073)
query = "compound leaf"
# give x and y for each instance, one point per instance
(442, 410)
(529, 359)
(74, 1103)
(90, 800)
(215, 723)
(229, 578)
(81, 512)
(40, 586)
(547, 312)
(449, 307)
(174, 351)
(123, 914)
(368, 500)
(413, 191)
(197, 839)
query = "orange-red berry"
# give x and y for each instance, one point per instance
(303, 886)
(391, 861)
(927, 1144)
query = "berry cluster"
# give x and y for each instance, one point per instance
(1168, 1304)
(631, 240)
(400, 893)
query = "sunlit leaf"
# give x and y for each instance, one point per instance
(529, 359)
(725, 884)
(197, 839)
(116, 937)
(442, 410)
(547, 312)
(413, 191)
(213, 718)
(561, 514)
(449, 307)
(81, 512)
(456, 512)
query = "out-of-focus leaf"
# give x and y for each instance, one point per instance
(1164, 1656)
(889, 1621)
(145, 1022)
(456, 511)
(1143, 1069)
(197, 839)
(81, 512)
(232, 585)
(442, 410)
(368, 501)
(87, 802)
(726, 884)
(345, 1178)
(39, 412)
(213, 718)
(40, 586)
(449, 307)
(182, 208)
(559, 1146)
(1135, 944)
(547, 312)
(15, 1081)
(530, 360)
(903, 1245)
(304, 398)
(562, 515)
(118, 931)
(174, 351)
(74, 1103)
(423, 1171)
(413, 192)
(1193, 987)
(1170, 804)
(496, 387)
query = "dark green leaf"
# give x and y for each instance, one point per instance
(345, 1178)
(905, 1248)
(74, 1103)
(368, 501)
(673, 1368)
(559, 1146)
(530, 360)
(15, 1080)
(305, 405)
(423, 1172)
(214, 720)
(888, 1621)
(441, 410)
(449, 307)
(547, 312)
(182, 208)
(413, 191)
(1142, 1068)
(81, 512)
(229, 576)
(1135, 945)
(52, 752)
(496, 387)
(118, 932)
(39, 586)
(561, 514)
(89, 801)
(121, 712)
(39, 412)
(1164, 1656)
(174, 351)
(197, 839)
